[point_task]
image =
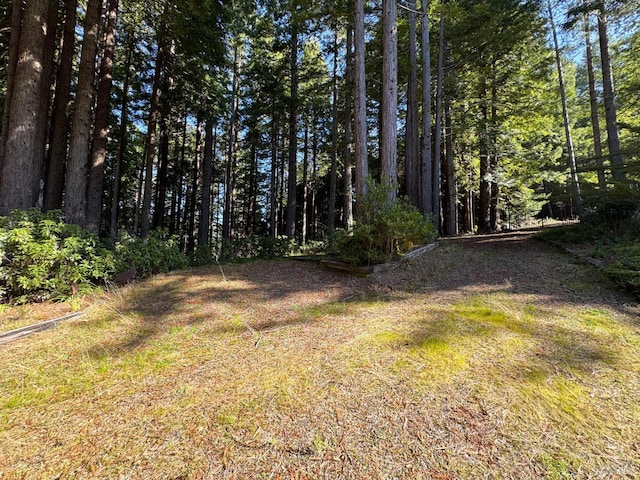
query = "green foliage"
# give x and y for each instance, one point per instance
(258, 246)
(42, 257)
(613, 216)
(203, 255)
(385, 231)
(159, 253)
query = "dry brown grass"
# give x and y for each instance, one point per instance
(488, 358)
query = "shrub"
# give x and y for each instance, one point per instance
(158, 253)
(612, 216)
(42, 257)
(258, 246)
(385, 231)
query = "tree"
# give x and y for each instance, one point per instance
(21, 164)
(360, 104)
(389, 103)
(75, 202)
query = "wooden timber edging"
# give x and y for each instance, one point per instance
(18, 333)
(382, 267)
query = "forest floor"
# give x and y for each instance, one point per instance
(489, 357)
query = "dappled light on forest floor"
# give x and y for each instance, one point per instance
(496, 358)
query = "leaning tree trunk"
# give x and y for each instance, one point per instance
(565, 114)
(389, 103)
(99, 153)
(22, 164)
(57, 155)
(360, 105)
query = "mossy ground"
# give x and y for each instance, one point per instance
(491, 357)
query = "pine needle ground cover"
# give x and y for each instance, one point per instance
(490, 357)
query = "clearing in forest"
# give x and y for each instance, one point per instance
(490, 357)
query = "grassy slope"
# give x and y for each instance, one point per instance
(490, 357)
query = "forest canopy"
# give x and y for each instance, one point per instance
(219, 121)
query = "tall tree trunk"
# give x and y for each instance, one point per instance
(22, 164)
(360, 105)
(565, 114)
(273, 186)
(411, 133)
(229, 184)
(334, 139)
(150, 144)
(159, 213)
(483, 220)
(348, 178)
(494, 202)
(122, 147)
(193, 200)
(99, 152)
(613, 137)
(292, 182)
(253, 187)
(305, 183)
(17, 11)
(389, 103)
(426, 189)
(207, 173)
(593, 103)
(42, 127)
(57, 155)
(452, 205)
(75, 199)
(438, 127)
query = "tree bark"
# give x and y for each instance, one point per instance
(22, 165)
(452, 205)
(613, 137)
(17, 11)
(411, 133)
(290, 229)
(426, 189)
(229, 183)
(150, 144)
(334, 139)
(593, 103)
(75, 200)
(360, 105)
(273, 186)
(438, 128)
(122, 147)
(207, 173)
(483, 220)
(348, 178)
(99, 152)
(57, 155)
(389, 103)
